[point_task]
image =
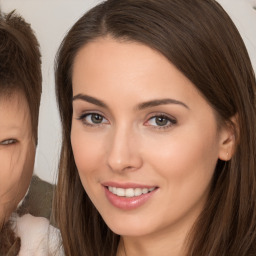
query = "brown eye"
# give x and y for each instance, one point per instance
(96, 118)
(161, 121)
(8, 142)
(93, 119)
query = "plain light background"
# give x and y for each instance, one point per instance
(51, 19)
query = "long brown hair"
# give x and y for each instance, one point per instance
(20, 71)
(200, 39)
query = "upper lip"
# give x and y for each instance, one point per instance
(126, 185)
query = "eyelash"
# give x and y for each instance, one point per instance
(84, 116)
(170, 120)
(8, 142)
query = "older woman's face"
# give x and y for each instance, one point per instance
(145, 141)
(17, 152)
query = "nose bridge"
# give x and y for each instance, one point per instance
(123, 154)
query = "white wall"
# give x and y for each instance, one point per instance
(244, 16)
(51, 19)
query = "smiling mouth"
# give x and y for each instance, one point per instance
(129, 192)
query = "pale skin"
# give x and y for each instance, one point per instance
(17, 152)
(137, 119)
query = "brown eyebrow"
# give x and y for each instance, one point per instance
(90, 100)
(141, 106)
(154, 103)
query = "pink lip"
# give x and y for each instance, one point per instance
(128, 203)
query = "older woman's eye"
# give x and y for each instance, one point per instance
(93, 119)
(8, 142)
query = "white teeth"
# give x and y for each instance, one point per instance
(145, 190)
(120, 192)
(137, 191)
(130, 192)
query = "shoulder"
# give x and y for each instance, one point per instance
(37, 236)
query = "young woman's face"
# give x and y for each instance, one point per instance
(145, 141)
(17, 152)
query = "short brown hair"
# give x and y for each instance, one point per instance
(20, 63)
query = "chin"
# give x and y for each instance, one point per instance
(129, 232)
(129, 227)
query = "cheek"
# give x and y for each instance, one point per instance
(189, 157)
(186, 165)
(16, 171)
(88, 151)
(11, 165)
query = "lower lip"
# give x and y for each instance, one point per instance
(128, 203)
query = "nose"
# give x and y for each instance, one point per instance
(123, 153)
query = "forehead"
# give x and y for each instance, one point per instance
(127, 68)
(14, 110)
(119, 61)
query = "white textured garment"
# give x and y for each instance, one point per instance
(38, 237)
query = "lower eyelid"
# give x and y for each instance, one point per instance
(168, 125)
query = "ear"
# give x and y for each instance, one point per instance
(228, 137)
